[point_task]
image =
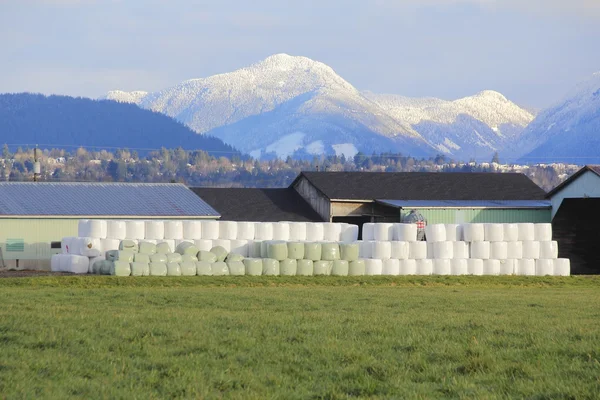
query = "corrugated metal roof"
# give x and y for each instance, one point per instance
(101, 199)
(467, 203)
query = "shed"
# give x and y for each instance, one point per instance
(34, 215)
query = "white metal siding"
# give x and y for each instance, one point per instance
(587, 185)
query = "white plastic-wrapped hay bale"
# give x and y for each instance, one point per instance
(531, 249)
(239, 247)
(203, 268)
(192, 230)
(220, 252)
(399, 250)
(89, 247)
(207, 256)
(549, 249)
(158, 269)
(435, 233)
(322, 267)
(405, 232)
(173, 229)
(443, 250)
(159, 258)
(381, 250)
(562, 267)
(295, 250)
(499, 250)
(188, 268)
(116, 229)
(281, 231)
(460, 250)
(383, 232)
(174, 269)
(204, 244)
(313, 251)
(179, 241)
(441, 266)
(330, 251)
(459, 266)
(253, 266)
(228, 230)
(264, 248)
(417, 250)
(141, 257)
(365, 248)
(357, 268)
(373, 266)
(129, 245)
(254, 248)
(263, 231)
(314, 231)
(109, 244)
(424, 266)
(93, 261)
(288, 267)
(491, 267)
(220, 268)
(270, 267)
(174, 257)
(408, 267)
(297, 231)
(391, 267)
(332, 231)
(155, 230)
(340, 268)
(494, 232)
(305, 268)
(480, 250)
(368, 231)
(96, 228)
(245, 230)
(119, 268)
(277, 250)
(65, 244)
(508, 267)
(146, 247)
(349, 251)
(140, 268)
(473, 232)
(543, 232)
(224, 243)
(544, 267)
(453, 232)
(120, 255)
(209, 230)
(526, 231)
(514, 250)
(349, 233)
(165, 246)
(475, 266)
(236, 268)
(55, 262)
(188, 257)
(187, 248)
(135, 229)
(511, 232)
(430, 250)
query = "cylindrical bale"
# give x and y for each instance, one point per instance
(305, 268)
(220, 268)
(264, 248)
(391, 267)
(173, 269)
(165, 246)
(270, 267)
(288, 267)
(480, 250)
(129, 245)
(94, 260)
(204, 244)
(146, 247)
(140, 268)
(525, 267)
(295, 250)
(399, 250)
(349, 251)
(332, 231)
(254, 266)
(543, 232)
(473, 232)
(499, 250)
(383, 232)
(314, 231)
(254, 248)
(159, 258)
(544, 267)
(158, 269)
(365, 248)
(381, 250)
(526, 231)
(511, 232)
(174, 257)
(224, 243)
(368, 231)
(281, 231)
(109, 244)
(277, 250)
(491, 267)
(475, 266)
(234, 257)
(549, 249)
(508, 267)
(116, 229)
(210, 230)
(135, 230)
(119, 268)
(373, 266)
(454, 232)
(340, 268)
(459, 266)
(141, 257)
(357, 268)
(531, 249)
(514, 250)
(441, 266)
(405, 232)
(417, 250)
(435, 233)
(203, 268)
(228, 230)
(562, 267)
(263, 231)
(330, 251)
(245, 230)
(322, 267)
(220, 252)
(187, 248)
(443, 250)
(460, 250)
(349, 233)
(154, 229)
(408, 267)
(188, 257)
(173, 229)
(207, 256)
(312, 251)
(236, 268)
(494, 232)
(240, 247)
(424, 266)
(430, 250)
(297, 231)
(192, 230)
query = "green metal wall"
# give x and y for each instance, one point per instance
(469, 215)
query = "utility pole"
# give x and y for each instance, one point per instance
(36, 165)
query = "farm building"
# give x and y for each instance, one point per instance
(359, 197)
(34, 217)
(575, 222)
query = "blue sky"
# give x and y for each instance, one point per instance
(533, 51)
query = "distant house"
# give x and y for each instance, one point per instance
(576, 219)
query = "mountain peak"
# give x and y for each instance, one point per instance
(286, 62)
(491, 94)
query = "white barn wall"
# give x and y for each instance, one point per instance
(586, 185)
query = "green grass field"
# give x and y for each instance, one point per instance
(311, 338)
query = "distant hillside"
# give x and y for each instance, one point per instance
(59, 121)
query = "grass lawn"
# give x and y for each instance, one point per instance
(322, 338)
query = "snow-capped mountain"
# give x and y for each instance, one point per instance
(288, 105)
(569, 131)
